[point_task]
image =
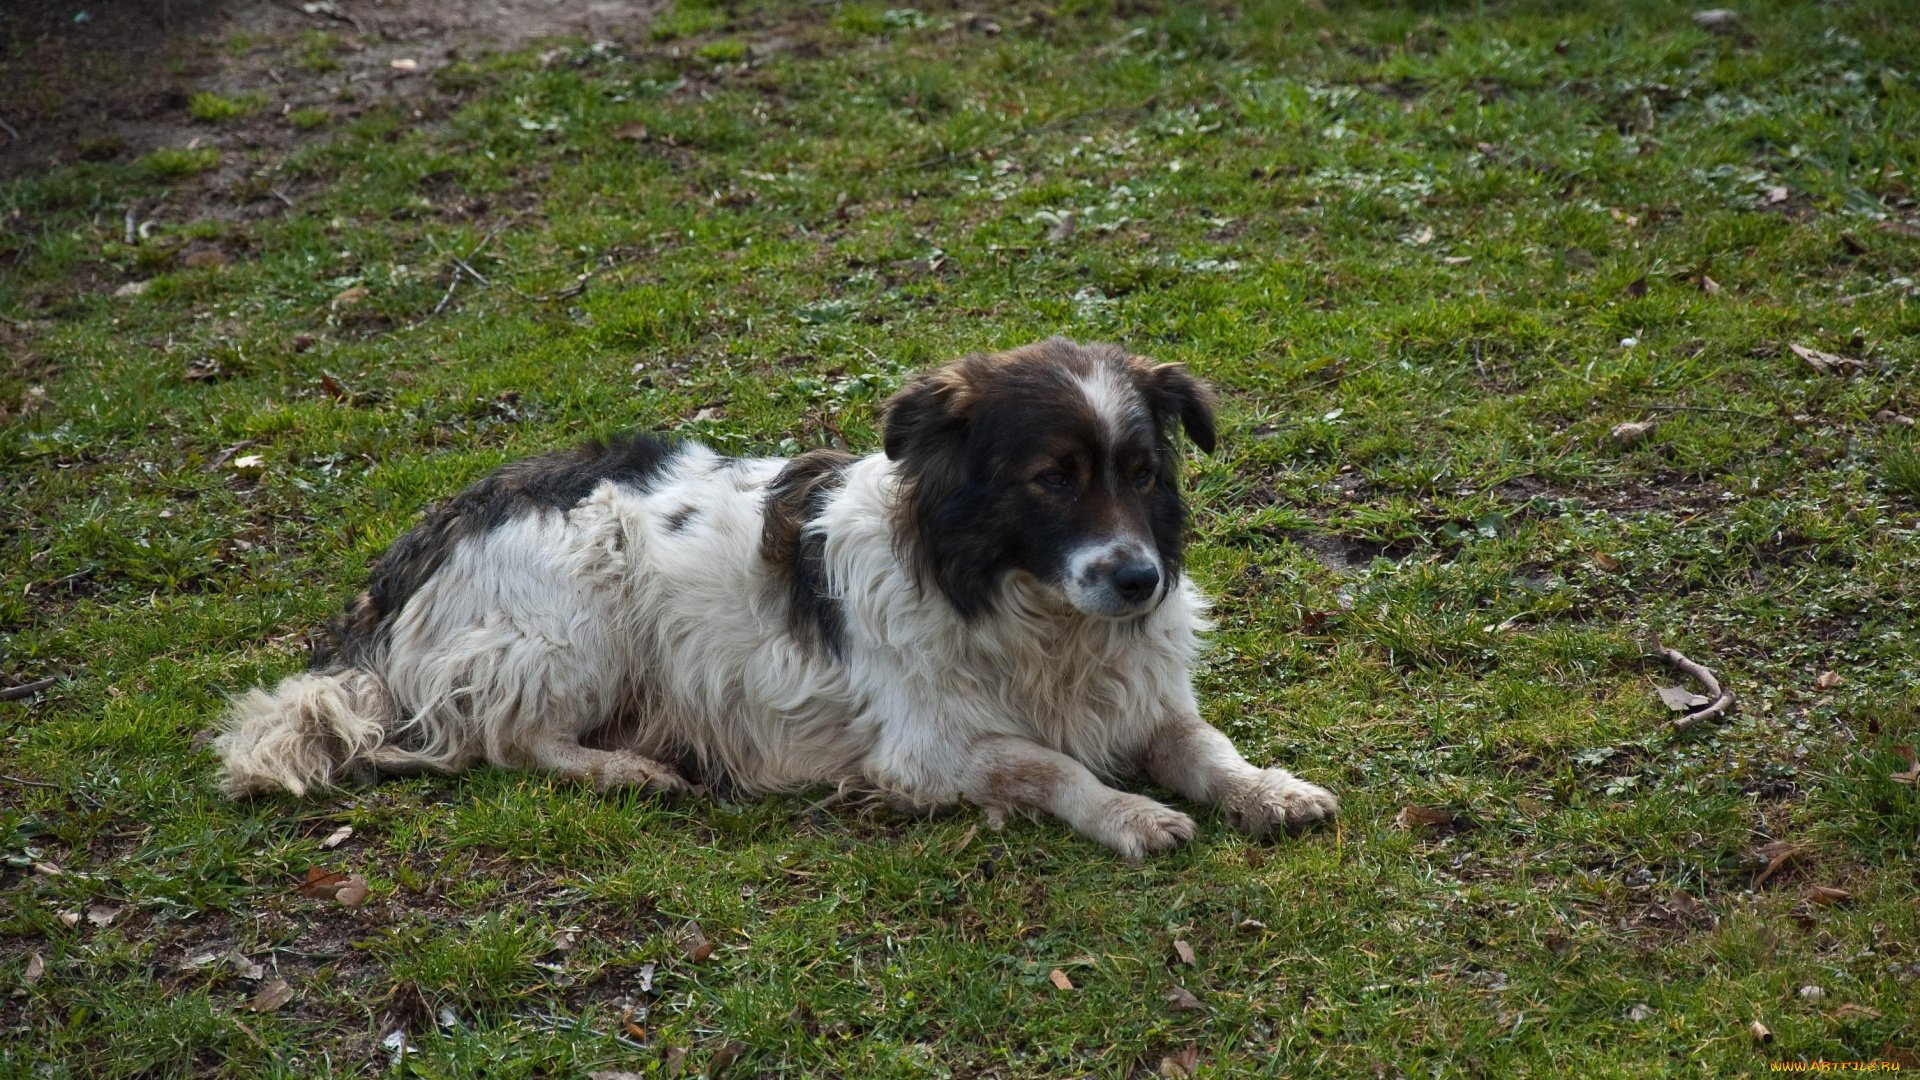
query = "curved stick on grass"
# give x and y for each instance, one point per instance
(1722, 700)
(27, 690)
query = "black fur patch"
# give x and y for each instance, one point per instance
(969, 437)
(556, 481)
(677, 521)
(795, 498)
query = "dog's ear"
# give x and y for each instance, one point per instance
(1173, 393)
(927, 418)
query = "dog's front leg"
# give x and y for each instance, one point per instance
(1004, 773)
(1192, 757)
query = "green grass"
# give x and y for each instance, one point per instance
(1409, 244)
(310, 119)
(210, 108)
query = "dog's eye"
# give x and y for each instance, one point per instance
(1057, 479)
(1143, 479)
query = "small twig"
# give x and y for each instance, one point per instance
(133, 225)
(452, 284)
(23, 781)
(1709, 409)
(27, 690)
(1722, 700)
(8, 128)
(278, 194)
(462, 264)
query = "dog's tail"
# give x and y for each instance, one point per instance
(314, 730)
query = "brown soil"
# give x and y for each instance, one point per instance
(111, 79)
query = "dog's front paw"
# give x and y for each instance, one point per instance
(1136, 826)
(629, 770)
(1279, 799)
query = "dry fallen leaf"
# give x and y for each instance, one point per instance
(1062, 230)
(1912, 775)
(352, 892)
(203, 260)
(36, 967)
(646, 977)
(103, 915)
(1180, 999)
(1183, 1064)
(1708, 285)
(131, 288)
(1904, 1059)
(1184, 952)
(1681, 699)
(1717, 20)
(1853, 1014)
(1778, 855)
(1640, 1011)
(1900, 228)
(1578, 256)
(695, 944)
(321, 884)
(205, 369)
(613, 1074)
(1684, 905)
(248, 463)
(1605, 561)
(1827, 680)
(70, 918)
(1828, 896)
(1637, 287)
(1251, 926)
(404, 64)
(272, 994)
(300, 342)
(349, 297)
(1424, 236)
(332, 388)
(337, 837)
(1059, 979)
(631, 131)
(725, 1056)
(1557, 943)
(676, 1060)
(1827, 363)
(1632, 431)
(1412, 817)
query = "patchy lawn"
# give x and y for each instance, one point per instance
(1433, 259)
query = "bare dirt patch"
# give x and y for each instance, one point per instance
(115, 79)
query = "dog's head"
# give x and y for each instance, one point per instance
(1055, 460)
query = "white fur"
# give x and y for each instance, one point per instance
(537, 633)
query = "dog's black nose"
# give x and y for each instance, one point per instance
(1136, 581)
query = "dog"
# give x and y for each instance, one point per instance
(992, 611)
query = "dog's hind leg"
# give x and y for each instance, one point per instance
(563, 756)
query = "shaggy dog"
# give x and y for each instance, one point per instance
(991, 611)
